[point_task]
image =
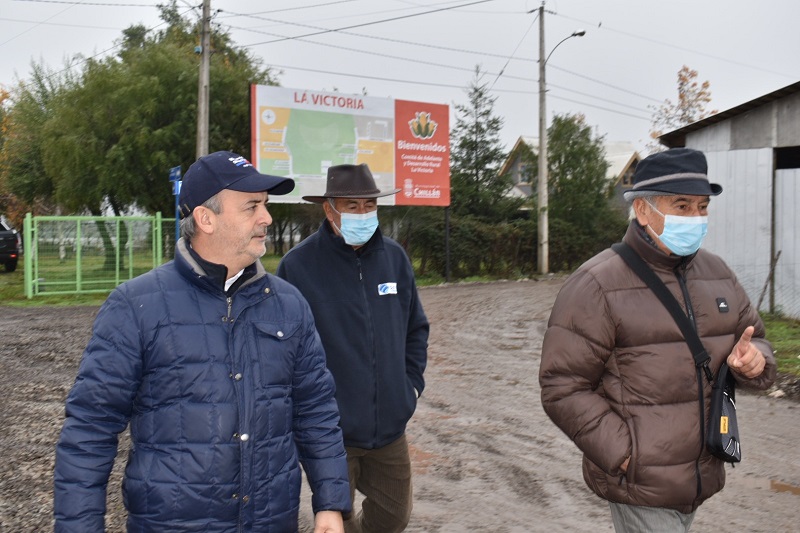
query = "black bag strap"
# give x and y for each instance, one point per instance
(637, 264)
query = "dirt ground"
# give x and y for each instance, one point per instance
(486, 457)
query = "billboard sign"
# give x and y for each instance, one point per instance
(300, 133)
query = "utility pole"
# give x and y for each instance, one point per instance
(542, 229)
(543, 255)
(203, 82)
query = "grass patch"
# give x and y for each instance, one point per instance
(12, 292)
(784, 334)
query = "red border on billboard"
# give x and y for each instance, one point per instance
(422, 153)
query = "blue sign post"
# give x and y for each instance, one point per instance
(175, 178)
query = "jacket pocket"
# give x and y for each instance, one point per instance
(274, 352)
(630, 475)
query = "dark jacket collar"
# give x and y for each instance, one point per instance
(212, 273)
(637, 238)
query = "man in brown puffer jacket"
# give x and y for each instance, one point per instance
(617, 375)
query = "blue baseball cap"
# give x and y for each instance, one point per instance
(225, 170)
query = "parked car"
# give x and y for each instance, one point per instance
(10, 246)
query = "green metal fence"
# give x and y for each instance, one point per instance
(74, 255)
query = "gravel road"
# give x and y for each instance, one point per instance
(486, 457)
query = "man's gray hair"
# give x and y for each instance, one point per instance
(648, 197)
(188, 227)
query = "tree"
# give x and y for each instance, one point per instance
(29, 107)
(110, 137)
(477, 188)
(693, 97)
(582, 220)
(485, 234)
(134, 117)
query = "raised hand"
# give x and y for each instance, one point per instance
(746, 359)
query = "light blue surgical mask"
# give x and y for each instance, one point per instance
(357, 228)
(682, 235)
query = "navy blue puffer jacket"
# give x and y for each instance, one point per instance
(223, 396)
(373, 327)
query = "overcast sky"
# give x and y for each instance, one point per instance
(427, 50)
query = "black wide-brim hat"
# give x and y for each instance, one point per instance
(672, 172)
(350, 181)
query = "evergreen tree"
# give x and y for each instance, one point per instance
(486, 226)
(477, 188)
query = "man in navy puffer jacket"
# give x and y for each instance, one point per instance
(218, 368)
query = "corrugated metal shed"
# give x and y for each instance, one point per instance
(753, 151)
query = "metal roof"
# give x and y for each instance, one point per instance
(677, 138)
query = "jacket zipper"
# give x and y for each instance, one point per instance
(372, 343)
(700, 396)
(240, 523)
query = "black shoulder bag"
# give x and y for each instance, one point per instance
(722, 435)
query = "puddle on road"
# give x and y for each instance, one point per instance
(778, 486)
(769, 484)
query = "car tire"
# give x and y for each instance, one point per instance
(11, 266)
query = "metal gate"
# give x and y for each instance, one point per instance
(74, 255)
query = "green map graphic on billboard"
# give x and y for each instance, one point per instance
(319, 139)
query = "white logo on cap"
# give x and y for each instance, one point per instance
(240, 161)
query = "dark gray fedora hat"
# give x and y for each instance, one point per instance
(350, 181)
(672, 172)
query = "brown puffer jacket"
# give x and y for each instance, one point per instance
(618, 378)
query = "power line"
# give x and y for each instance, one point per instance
(648, 119)
(515, 50)
(105, 4)
(377, 78)
(592, 96)
(303, 7)
(62, 25)
(37, 25)
(438, 65)
(595, 80)
(452, 67)
(683, 49)
(424, 45)
(431, 84)
(370, 23)
(399, 41)
(99, 54)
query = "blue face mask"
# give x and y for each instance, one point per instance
(682, 235)
(357, 229)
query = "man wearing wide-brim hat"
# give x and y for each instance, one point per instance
(617, 375)
(362, 292)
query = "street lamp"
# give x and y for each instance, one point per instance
(543, 233)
